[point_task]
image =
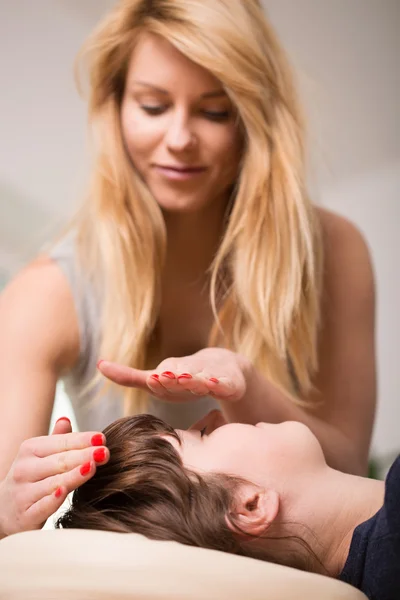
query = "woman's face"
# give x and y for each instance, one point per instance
(265, 454)
(179, 128)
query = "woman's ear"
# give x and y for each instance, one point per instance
(254, 509)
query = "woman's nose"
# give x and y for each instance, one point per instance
(179, 136)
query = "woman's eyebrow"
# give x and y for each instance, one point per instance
(150, 85)
(214, 94)
(211, 94)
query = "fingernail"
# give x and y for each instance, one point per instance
(155, 376)
(85, 468)
(63, 419)
(97, 439)
(214, 379)
(99, 362)
(58, 492)
(185, 376)
(168, 374)
(99, 455)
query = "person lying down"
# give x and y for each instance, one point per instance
(262, 491)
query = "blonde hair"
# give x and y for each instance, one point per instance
(265, 280)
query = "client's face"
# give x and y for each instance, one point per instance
(264, 453)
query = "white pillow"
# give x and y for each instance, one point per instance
(95, 565)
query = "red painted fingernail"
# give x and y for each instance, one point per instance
(99, 455)
(63, 419)
(214, 379)
(85, 468)
(168, 374)
(97, 439)
(185, 376)
(99, 362)
(155, 376)
(58, 492)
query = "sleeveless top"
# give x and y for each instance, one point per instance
(94, 411)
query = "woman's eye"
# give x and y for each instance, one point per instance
(202, 431)
(216, 115)
(153, 110)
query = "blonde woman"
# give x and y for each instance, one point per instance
(197, 240)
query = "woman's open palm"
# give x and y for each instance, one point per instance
(210, 372)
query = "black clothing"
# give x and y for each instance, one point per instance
(373, 563)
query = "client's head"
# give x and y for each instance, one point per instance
(228, 488)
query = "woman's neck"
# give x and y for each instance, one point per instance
(192, 242)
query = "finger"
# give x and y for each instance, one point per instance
(70, 481)
(62, 425)
(39, 512)
(155, 386)
(62, 462)
(51, 444)
(222, 388)
(169, 381)
(193, 383)
(123, 375)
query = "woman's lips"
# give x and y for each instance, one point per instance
(179, 173)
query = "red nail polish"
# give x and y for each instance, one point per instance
(168, 374)
(85, 468)
(58, 492)
(155, 376)
(99, 455)
(185, 376)
(99, 362)
(63, 419)
(214, 379)
(97, 439)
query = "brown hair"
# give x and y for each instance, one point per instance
(145, 489)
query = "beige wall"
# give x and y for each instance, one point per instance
(346, 54)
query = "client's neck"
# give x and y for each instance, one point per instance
(331, 505)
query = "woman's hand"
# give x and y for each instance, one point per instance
(210, 372)
(45, 470)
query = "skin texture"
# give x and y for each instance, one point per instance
(40, 332)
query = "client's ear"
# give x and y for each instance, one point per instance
(254, 509)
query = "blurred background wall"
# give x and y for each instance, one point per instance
(346, 54)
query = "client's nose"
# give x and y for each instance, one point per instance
(210, 422)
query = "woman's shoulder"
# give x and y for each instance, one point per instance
(348, 273)
(37, 305)
(346, 250)
(338, 230)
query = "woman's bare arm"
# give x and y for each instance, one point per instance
(39, 339)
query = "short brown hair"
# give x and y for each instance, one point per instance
(144, 488)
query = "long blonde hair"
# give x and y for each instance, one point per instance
(266, 277)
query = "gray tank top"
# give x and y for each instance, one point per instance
(94, 411)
